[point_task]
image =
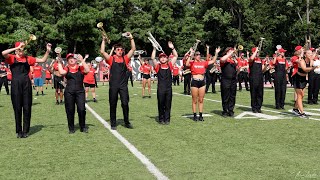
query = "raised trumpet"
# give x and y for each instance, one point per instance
(139, 52)
(104, 33)
(32, 37)
(154, 42)
(240, 47)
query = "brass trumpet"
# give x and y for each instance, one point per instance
(240, 47)
(32, 37)
(100, 26)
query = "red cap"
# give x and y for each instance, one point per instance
(282, 50)
(242, 54)
(254, 49)
(17, 44)
(162, 54)
(69, 55)
(298, 48)
(312, 49)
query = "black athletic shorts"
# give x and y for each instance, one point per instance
(56, 82)
(48, 79)
(89, 85)
(146, 76)
(299, 82)
(198, 83)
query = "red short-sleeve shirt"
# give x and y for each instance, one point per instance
(11, 57)
(229, 60)
(74, 70)
(118, 59)
(37, 71)
(197, 67)
(163, 66)
(89, 77)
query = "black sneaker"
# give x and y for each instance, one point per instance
(201, 118)
(195, 118)
(259, 111)
(113, 127)
(214, 91)
(167, 122)
(254, 111)
(129, 126)
(25, 135)
(303, 115)
(57, 103)
(85, 130)
(19, 135)
(72, 131)
(296, 112)
(94, 100)
(277, 107)
(231, 114)
(225, 114)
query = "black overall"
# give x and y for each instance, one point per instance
(280, 83)
(118, 84)
(75, 94)
(186, 81)
(21, 94)
(314, 86)
(211, 79)
(4, 80)
(228, 87)
(164, 94)
(256, 85)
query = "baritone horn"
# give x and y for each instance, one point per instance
(154, 42)
(104, 33)
(32, 37)
(240, 47)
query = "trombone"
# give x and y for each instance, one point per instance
(194, 47)
(154, 42)
(100, 26)
(260, 43)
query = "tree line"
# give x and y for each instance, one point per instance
(71, 24)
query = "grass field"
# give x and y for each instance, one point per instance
(218, 148)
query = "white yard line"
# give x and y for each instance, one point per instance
(150, 166)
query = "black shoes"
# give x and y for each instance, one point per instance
(19, 135)
(84, 130)
(224, 114)
(231, 113)
(129, 126)
(259, 111)
(254, 111)
(201, 118)
(195, 118)
(72, 131)
(113, 127)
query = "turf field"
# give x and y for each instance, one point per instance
(275, 145)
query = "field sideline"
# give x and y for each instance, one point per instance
(244, 147)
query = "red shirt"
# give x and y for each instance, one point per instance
(257, 60)
(118, 59)
(129, 67)
(74, 70)
(146, 68)
(89, 78)
(11, 57)
(295, 64)
(175, 70)
(48, 74)
(37, 71)
(163, 66)
(9, 74)
(242, 62)
(229, 60)
(280, 60)
(198, 67)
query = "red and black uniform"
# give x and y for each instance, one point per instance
(146, 70)
(228, 86)
(118, 85)
(129, 74)
(175, 74)
(74, 94)
(89, 80)
(57, 79)
(211, 78)
(4, 79)
(314, 86)
(243, 74)
(256, 84)
(186, 77)
(105, 72)
(299, 76)
(48, 75)
(280, 81)
(164, 91)
(198, 67)
(9, 74)
(21, 90)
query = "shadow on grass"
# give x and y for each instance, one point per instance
(217, 112)
(244, 108)
(35, 129)
(77, 127)
(36, 103)
(155, 118)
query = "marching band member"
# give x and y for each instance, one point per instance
(21, 88)
(48, 76)
(280, 80)
(57, 82)
(243, 67)
(186, 75)
(313, 80)
(175, 74)
(164, 91)
(129, 74)
(118, 80)
(146, 74)
(228, 82)
(89, 81)
(211, 75)
(9, 75)
(256, 67)
(74, 92)
(37, 76)
(4, 77)
(198, 69)
(299, 78)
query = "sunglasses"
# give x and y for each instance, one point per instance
(119, 49)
